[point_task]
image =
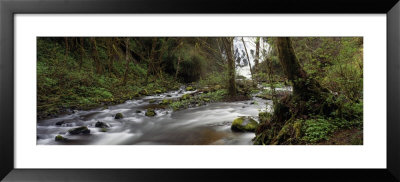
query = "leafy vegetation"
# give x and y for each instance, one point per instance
(315, 83)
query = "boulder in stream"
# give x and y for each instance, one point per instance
(100, 124)
(59, 138)
(59, 123)
(150, 112)
(243, 124)
(118, 116)
(79, 130)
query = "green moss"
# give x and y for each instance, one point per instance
(242, 124)
(190, 88)
(103, 129)
(150, 112)
(59, 138)
(185, 96)
(158, 91)
(152, 101)
(166, 102)
(297, 128)
(118, 116)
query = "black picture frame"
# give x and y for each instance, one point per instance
(8, 8)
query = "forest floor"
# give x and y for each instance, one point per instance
(352, 136)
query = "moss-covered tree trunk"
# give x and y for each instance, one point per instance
(308, 98)
(228, 42)
(303, 85)
(256, 59)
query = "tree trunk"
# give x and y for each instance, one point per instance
(82, 52)
(303, 85)
(126, 59)
(257, 53)
(95, 55)
(227, 42)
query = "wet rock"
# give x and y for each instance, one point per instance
(100, 124)
(150, 112)
(59, 138)
(169, 95)
(60, 123)
(79, 130)
(138, 111)
(118, 116)
(243, 124)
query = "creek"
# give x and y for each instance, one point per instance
(205, 125)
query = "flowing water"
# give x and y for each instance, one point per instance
(204, 125)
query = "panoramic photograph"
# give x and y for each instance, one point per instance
(199, 91)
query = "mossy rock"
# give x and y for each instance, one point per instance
(152, 101)
(59, 138)
(166, 102)
(190, 88)
(186, 96)
(158, 91)
(144, 92)
(243, 124)
(103, 130)
(119, 116)
(79, 130)
(136, 95)
(206, 99)
(100, 124)
(150, 112)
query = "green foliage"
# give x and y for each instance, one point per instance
(317, 129)
(336, 62)
(62, 83)
(213, 79)
(187, 101)
(191, 63)
(264, 116)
